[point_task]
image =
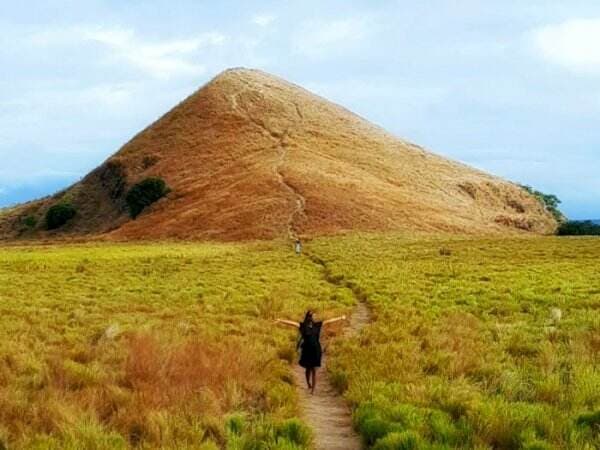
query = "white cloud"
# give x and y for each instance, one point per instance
(263, 20)
(33, 176)
(163, 59)
(572, 44)
(112, 112)
(110, 96)
(319, 38)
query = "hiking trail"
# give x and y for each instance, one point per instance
(326, 411)
(282, 146)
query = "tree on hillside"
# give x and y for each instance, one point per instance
(549, 201)
(59, 214)
(565, 227)
(145, 193)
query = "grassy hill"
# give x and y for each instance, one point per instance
(251, 156)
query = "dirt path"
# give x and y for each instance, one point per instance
(326, 412)
(281, 144)
(299, 200)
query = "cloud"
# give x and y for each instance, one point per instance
(48, 108)
(163, 59)
(107, 114)
(319, 38)
(106, 95)
(34, 176)
(572, 44)
(263, 20)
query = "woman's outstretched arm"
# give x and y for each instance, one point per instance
(288, 322)
(337, 319)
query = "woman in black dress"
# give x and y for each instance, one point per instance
(310, 344)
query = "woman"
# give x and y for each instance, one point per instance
(310, 344)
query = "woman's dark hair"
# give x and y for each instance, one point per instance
(308, 318)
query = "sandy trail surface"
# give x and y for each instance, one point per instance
(325, 411)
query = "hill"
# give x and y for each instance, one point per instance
(251, 156)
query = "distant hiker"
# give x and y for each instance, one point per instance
(298, 247)
(310, 345)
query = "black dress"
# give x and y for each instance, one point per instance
(310, 349)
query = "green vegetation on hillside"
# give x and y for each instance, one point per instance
(550, 201)
(565, 227)
(30, 222)
(144, 193)
(59, 214)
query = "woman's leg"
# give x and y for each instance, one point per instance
(314, 379)
(307, 373)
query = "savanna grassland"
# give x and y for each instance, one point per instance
(171, 346)
(473, 344)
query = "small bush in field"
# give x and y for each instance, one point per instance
(236, 424)
(591, 420)
(445, 251)
(406, 440)
(372, 425)
(294, 431)
(374, 429)
(59, 214)
(145, 193)
(442, 429)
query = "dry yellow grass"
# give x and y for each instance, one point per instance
(475, 343)
(152, 346)
(252, 156)
(472, 343)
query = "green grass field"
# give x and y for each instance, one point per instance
(474, 343)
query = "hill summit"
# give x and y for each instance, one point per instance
(251, 156)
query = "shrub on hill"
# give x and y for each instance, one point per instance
(59, 214)
(144, 194)
(30, 222)
(566, 227)
(549, 201)
(579, 228)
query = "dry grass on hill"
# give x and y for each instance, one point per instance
(250, 156)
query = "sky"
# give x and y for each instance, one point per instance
(509, 86)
